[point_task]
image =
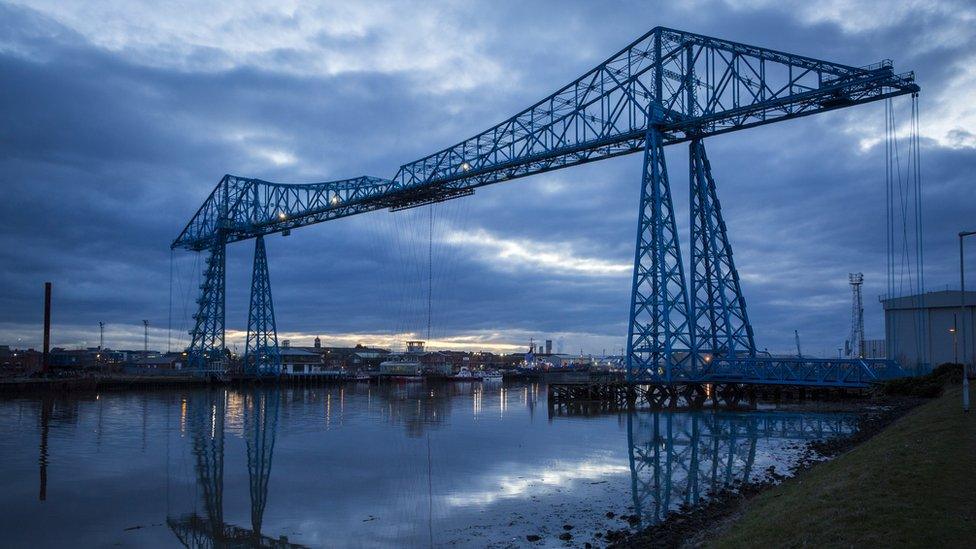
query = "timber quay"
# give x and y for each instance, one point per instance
(96, 383)
(69, 384)
(610, 396)
(151, 382)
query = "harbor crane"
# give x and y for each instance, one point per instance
(665, 88)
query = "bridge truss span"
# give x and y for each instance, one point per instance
(666, 87)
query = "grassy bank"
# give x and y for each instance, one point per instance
(913, 484)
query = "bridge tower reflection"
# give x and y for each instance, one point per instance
(207, 412)
(676, 459)
(260, 424)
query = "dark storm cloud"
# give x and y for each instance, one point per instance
(105, 156)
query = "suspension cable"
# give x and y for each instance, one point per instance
(430, 266)
(169, 320)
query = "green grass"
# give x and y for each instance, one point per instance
(911, 485)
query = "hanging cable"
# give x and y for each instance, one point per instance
(169, 320)
(905, 251)
(430, 266)
(919, 248)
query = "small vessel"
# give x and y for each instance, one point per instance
(407, 379)
(492, 376)
(464, 374)
(362, 377)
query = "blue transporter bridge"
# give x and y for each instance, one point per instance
(665, 88)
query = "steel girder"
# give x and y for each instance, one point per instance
(206, 351)
(240, 208)
(720, 324)
(809, 372)
(703, 86)
(659, 338)
(691, 85)
(261, 354)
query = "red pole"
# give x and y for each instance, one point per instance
(47, 326)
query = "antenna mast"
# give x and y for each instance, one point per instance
(855, 343)
(145, 339)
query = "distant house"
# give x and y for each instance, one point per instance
(19, 361)
(349, 359)
(170, 361)
(167, 364)
(72, 358)
(295, 360)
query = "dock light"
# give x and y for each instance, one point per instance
(465, 166)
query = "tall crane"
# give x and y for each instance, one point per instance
(667, 87)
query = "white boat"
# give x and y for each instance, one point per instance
(492, 376)
(464, 374)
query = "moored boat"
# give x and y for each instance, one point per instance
(492, 376)
(464, 374)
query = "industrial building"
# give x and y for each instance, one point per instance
(931, 328)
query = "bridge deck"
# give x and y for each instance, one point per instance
(858, 373)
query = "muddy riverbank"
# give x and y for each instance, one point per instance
(690, 526)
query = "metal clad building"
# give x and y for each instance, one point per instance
(931, 324)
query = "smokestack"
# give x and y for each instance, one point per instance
(47, 326)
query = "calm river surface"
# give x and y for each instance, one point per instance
(363, 466)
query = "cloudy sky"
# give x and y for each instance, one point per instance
(118, 118)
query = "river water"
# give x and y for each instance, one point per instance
(365, 466)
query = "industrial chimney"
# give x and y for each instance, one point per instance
(47, 327)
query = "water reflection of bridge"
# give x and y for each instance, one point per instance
(206, 412)
(676, 459)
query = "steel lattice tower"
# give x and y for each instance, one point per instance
(659, 343)
(261, 354)
(718, 309)
(206, 350)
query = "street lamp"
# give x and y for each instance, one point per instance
(955, 344)
(962, 310)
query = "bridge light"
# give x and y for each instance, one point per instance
(282, 216)
(335, 199)
(465, 166)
